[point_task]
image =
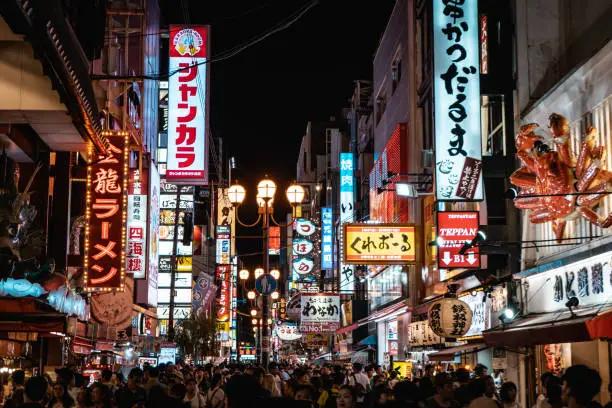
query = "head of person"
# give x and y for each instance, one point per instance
(273, 368)
(36, 389)
(543, 380)
(269, 383)
(426, 387)
(304, 392)
(324, 370)
(443, 384)
(379, 370)
(553, 389)
(508, 392)
(347, 397)
(190, 384)
(481, 370)
(382, 394)
(153, 372)
(370, 371)
(135, 378)
(59, 391)
(84, 398)
(301, 376)
(65, 376)
(18, 377)
(357, 367)
(406, 391)
(489, 386)
(580, 385)
(429, 370)
(107, 375)
(177, 391)
(216, 380)
(462, 375)
(258, 374)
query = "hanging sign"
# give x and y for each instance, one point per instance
(326, 238)
(320, 313)
(458, 151)
(455, 228)
(106, 208)
(380, 244)
(347, 200)
(302, 246)
(137, 225)
(223, 298)
(188, 105)
(303, 266)
(305, 227)
(288, 331)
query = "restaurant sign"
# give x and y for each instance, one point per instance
(380, 244)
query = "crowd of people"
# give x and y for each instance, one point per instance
(330, 386)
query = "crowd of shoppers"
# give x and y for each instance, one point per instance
(330, 386)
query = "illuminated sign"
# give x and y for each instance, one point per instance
(274, 240)
(302, 246)
(379, 244)
(319, 313)
(105, 213)
(136, 261)
(223, 298)
(225, 221)
(455, 228)
(305, 227)
(457, 100)
(303, 265)
(288, 331)
(223, 244)
(347, 211)
(187, 160)
(326, 238)
(153, 267)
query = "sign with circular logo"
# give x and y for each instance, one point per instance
(265, 284)
(303, 265)
(305, 227)
(302, 246)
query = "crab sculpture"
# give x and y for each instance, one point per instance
(556, 186)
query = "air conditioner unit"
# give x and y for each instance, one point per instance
(427, 159)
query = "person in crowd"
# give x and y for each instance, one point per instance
(359, 377)
(508, 394)
(542, 401)
(406, 394)
(301, 376)
(16, 398)
(382, 394)
(269, 383)
(305, 392)
(215, 397)
(346, 398)
(35, 392)
(429, 372)
(554, 387)
(481, 370)
(176, 396)
(478, 391)
(193, 395)
(490, 389)
(580, 386)
(156, 393)
(60, 397)
(443, 392)
(66, 376)
(107, 379)
(462, 393)
(133, 394)
(101, 396)
(83, 399)
(426, 388)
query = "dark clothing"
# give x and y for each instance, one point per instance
(157, 396)
(431, 403)
(32, 405)
(126, 398)
(16, 400)
(462, 396)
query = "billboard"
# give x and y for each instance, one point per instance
(326, 238)
(105, 212)
(274, 239)
(187, 160)
(379, 244)
(320, 313)
(347, 214)
(458, 150)
(226, 214)
(136, 261)
(153, 267)
(455, 228)
(223, 294)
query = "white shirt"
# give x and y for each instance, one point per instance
(362, 378)
(197, 401)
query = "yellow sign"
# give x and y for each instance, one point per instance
(379, 244)
(404, 368)
(222, 327)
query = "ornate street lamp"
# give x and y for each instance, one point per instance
(295, 194)
(275, 273)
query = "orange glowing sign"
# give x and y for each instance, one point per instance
(106, 216)
(379, 244)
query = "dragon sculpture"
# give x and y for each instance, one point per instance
(556, 186)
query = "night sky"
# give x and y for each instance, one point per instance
(262, 99)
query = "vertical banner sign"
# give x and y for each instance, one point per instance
(223, 244)
(226, 217)
(457, 100)
(455, 228)
(137, 225)
(105, 213)
(347, 200)
(326, 238)
(153, 267)
(303, 261)
(274, 240)
(188, 105)
(223, 296)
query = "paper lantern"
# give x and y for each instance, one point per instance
(450, 317)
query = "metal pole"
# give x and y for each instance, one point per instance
(265, 304)
(174, 264)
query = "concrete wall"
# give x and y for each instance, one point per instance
(393, 42)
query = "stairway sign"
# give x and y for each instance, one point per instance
(455, 228)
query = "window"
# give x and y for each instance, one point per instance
(493, 120)
(381, 104)
(396, 72)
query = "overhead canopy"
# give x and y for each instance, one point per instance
(544, 328)
(368, 341)
(450, 353)
(600, 327)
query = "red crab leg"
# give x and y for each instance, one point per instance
(595, 218)
(584, 158)
(541, 215)
(523, 178)
(558, 228)
(590, 200)
(588, 176)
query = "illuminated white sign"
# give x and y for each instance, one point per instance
(153, 268)
(136, 235)
(187, 106)
(326, 238)
(457, 100)
(347, 201)
(303, 265)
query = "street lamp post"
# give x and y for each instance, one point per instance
(266, 189)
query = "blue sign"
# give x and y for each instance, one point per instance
(326, 238)
(265, 284)
(347, 214)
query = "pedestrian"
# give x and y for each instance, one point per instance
(541, 401)
(554, 387)
(478, 393)
(107, 379)
(193, 395)
(66, 376)
(382, 394)
(60, 397)
(580, 385)
(346, 397)
(176, 396)
(305, 392)
(215, 397)
(35, 392)
(406, 394)
(16, 399)
(101, 396)
(508, 394)
(443, 391)
(359, 377)
(269, 383)
(133, 394)
(83, 399)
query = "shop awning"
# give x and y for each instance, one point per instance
(368, 341)
(545, 328)
(450, 353)
(347, 329)
(600, 327)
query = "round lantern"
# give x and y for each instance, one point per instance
(450, 317)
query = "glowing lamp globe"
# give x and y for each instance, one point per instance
(243, 274)
(254, 312)
(251, 294)
(274, 295)
(269, 321)
(275, 273)
(266, 189)
(255, 329)
(254, 321)
(258, 272)
(295, 194)
(450, 318)
(236, 194)
(262, 203)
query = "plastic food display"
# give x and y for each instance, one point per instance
(556, 186)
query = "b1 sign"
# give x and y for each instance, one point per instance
(455, 228)
(457, 100)
(188, 106)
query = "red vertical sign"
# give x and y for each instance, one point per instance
(274, 241)
(455, 228)
(105, 213)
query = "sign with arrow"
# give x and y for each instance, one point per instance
(455, 228)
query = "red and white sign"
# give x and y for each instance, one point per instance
(188, 105)
(106, 207)
(136, 261)
(455, 228)
(223, 300)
